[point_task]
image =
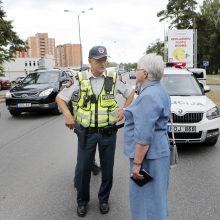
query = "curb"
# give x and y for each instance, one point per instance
(2, 98)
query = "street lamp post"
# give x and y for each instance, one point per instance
(80, 44)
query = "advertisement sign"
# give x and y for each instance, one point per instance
(180, 46)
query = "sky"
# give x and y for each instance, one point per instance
(125, 27)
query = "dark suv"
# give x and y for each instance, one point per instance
(37, 92)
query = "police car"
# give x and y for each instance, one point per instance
(200, 74)
(196, 119)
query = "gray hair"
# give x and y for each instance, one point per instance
(153, 64)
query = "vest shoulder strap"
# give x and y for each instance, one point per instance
(111, 74)
(83, 75)
(110, 80)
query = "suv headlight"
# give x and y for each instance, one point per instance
(8, 95)
(46, 92)
(213, 113)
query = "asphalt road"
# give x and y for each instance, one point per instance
(214, 87)
(37, 159)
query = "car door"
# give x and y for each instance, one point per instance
(64, 79)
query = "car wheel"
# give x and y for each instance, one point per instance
(56, 111)
(212, 142)
(15, 113)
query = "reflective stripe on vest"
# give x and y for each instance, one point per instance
(101, 113)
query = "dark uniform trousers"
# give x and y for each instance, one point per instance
(106, 146)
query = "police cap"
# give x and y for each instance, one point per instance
(97, 52)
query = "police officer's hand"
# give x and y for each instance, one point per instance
(120, 114)
(69, 83)
(69, 121)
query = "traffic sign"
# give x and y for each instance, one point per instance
(205, 63)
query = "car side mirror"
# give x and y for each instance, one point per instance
(206, 89)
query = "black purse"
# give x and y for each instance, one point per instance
(174, 158)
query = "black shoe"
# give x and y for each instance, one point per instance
(81, 211)
(95, 169)
(75, 186)
(74, 183)
(104, 208)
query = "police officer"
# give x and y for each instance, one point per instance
(74, 99)
(95, 116)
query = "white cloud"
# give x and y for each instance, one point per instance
(125, 27)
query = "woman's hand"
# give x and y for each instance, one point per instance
(140, 153)
(135, 172)
(120, 114)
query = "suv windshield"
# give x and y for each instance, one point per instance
(181, 85)
(42, 77)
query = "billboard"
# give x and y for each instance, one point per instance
(180, 46)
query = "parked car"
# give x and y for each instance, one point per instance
(18, 79)
(4, 83)
(132, 74)
(37, 92)
(196, 118)
(71, 73)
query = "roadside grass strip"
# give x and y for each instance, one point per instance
(215, 97)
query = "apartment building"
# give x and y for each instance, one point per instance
(40, 45)
(67, 55)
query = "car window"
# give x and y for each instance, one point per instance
(67, 73)
(198, 74)
(63, 74)
(181, 85)
(42, 78)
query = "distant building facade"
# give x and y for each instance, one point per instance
(20, 67)
(23, 66)
(42, 53)
(67, 55)
(40, 45)
(21, 54)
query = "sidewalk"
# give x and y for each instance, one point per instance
(2, 95)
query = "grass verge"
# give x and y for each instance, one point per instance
(215, 97)
(213, 81)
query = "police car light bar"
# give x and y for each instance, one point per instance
(176, 64)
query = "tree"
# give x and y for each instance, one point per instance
(181, 13)
(208, 28)
(9, 40)
(157, 48)
(112, 64)
(130, 66)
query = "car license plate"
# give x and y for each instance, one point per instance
(181, 129)
(23, 105)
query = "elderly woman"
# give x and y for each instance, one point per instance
(146, 142)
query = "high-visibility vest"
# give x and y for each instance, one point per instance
(90, 111)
